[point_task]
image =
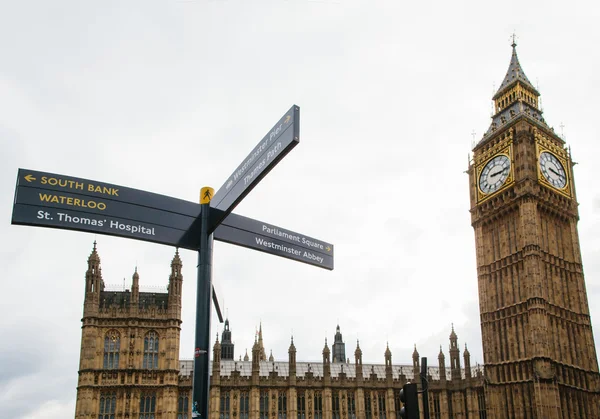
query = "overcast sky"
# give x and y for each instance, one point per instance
(170, 96)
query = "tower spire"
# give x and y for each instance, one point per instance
(515, 99)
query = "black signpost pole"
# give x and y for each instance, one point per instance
(425, 387)
(200, 387)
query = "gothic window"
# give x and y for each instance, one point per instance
(301, 405)
(368, 414)
(225, 409)
(481, 405)
(264, 405)
(147, 405)
(112, 345)
(437, 412)
(108, 405)
(183, 406)
(335, 404)
(244, 405)
(397, 403)
(318, 405)
(351, 406)
(150, 351)
(381, 405)
(282, 404)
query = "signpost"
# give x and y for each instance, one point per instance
(279, 141)
(65, 202)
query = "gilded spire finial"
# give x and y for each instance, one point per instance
(514, 40)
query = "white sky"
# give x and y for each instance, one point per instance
(170, 96)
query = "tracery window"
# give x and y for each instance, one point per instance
(282, 404)
(225, 405)
(147, 405)
(351, 405)
(183, 406)
(397, 403)
(244, 405)
(150, 351)
(381, 405)
(481, 404)
(301, 404)
(368, 414)
(264, 405)
(335, 404)
(318, 405)
(437, 411)
(112, 345)
(108, 405)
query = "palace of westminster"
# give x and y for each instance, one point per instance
(538, 348)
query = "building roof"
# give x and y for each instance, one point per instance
(302, 368)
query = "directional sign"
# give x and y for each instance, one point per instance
(246, 232)
(92, 188)
(269, 151)
(50, 200)
(81, 221)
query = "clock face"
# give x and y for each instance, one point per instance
(494, 174)
(553, 170)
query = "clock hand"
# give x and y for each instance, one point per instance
(555, 172)
(496, 174)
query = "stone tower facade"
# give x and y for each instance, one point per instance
(539, 353)
(129, 362)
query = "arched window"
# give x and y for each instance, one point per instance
(108, 403)
(112, 345)
(151, 351)
(147, 405)
(183, 406)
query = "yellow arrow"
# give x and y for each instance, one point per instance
(328, 248)
(287, 119)
(29, 178)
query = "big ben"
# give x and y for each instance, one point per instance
(539, 352)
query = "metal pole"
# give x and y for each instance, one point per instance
(425, 387)
(201, 383)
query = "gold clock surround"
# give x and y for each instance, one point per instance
(542, 146)
(507, 151)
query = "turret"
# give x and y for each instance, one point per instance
(467, 357)
(216, 369)
(326, 362)
(358, 361)
(416, 363)
(135, 288)
(442, 365)
(454, 356)
(292, 362)
(175, 286)
(388, 363)
(261, 347)
(255, 361)
(94, 284)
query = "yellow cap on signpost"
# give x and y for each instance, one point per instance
(206, 194)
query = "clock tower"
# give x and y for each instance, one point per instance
(539, 352)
